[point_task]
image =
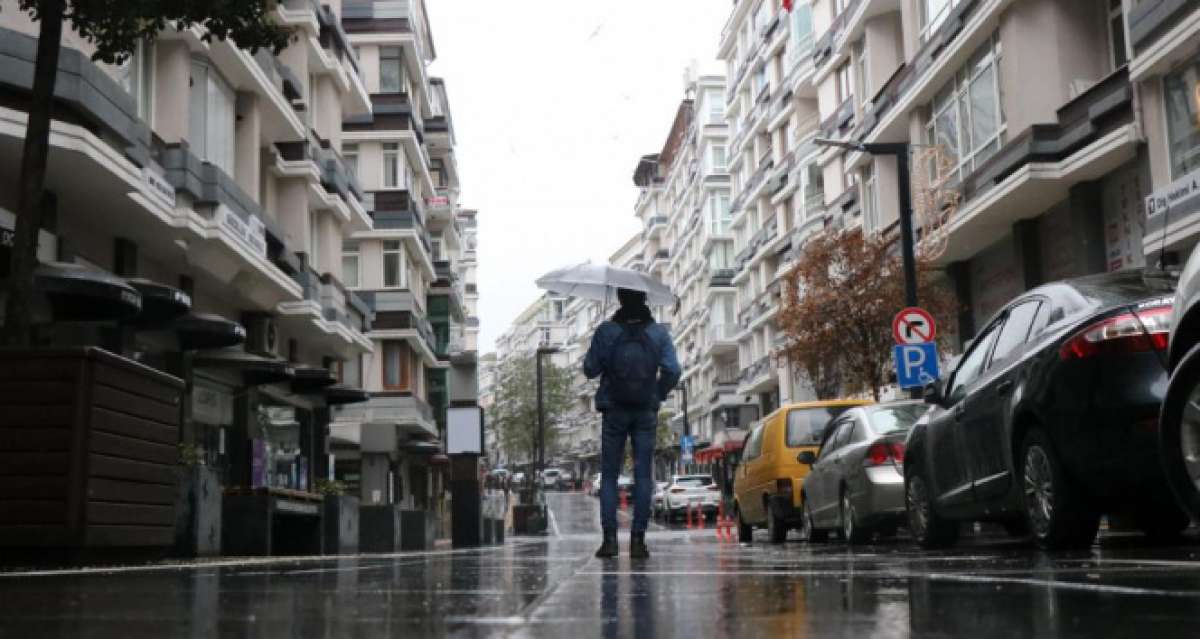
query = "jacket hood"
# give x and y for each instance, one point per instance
(633, 315)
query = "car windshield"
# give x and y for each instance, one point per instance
(694, 481)
(890, 419)
(1122, 287)
(805, 425)
(551, 473)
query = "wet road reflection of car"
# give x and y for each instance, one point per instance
(1049, 419)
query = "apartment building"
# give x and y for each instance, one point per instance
(777, 185)
(1038, 175)
(410, 268)
(214, 182)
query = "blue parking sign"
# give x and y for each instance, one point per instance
(687, 446)
(916, 364)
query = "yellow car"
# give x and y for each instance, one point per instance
(766, 488)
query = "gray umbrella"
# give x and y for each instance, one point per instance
(601, 281)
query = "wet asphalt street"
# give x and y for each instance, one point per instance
(693, 586)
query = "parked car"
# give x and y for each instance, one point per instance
(856, 482)
(766, 487)
(696, 491)
(595, 489)
(518, 479)
(660, 488)
(1049, 419)
(1179, 424)
(550, 478)
(566, 480)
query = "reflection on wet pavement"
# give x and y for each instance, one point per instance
(693, 586)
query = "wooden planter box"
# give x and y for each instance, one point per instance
(88, 450)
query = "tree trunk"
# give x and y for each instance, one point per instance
(18, 318)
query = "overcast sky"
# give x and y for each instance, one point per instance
(553, 103)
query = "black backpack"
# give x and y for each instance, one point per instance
(633, 369)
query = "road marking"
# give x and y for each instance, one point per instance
(553, 521)
(1064, 585)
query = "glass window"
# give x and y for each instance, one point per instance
(899, 417)
(391, 165)
(350, 156)
(802, 34)
(971, 365)
(933, 13)
(806, 425)
(394, 271)
(965, 119)
(1182, 88)
(832, 442)
(350, 262)
(1116, 34)
(396, 365)
(870, 199)
(391, 70)
(860, 70)
(719, 160)
(716, 106)
(350, 372)
(314, 240)
(845, 91)
(211, 118)
(1016, 330)
(136, 75)
(754, 443)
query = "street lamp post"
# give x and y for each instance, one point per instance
(899, 150)
(541, 410)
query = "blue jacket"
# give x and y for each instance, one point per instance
(603, 342)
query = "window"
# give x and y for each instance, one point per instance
(966, 118)
(760, 79)
(136, 75)
(806, 425)
(350, 372)
(899, 417)
(350, 262)
(314, 240)
(860, 70)
(720, 163)
(802, 35)
(437, 169)
(870, 199)
(972, 364)
(754, 443)
(1116, 34)
(845, 92)
(933, 14)
(720, 216)
(559, 310)
(391, 70)
(1015, 331)
(394, 265)
(397, 366)
(1182, 95)
(831, 443)
(716, 106)
(211, 117)
(391, 166)
(350, 156)
(436, 249)
(839, 6)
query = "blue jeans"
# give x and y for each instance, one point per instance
(639, 427)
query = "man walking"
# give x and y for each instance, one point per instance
(637, 366)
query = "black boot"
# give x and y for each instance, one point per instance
(637, 545)
(608, 548)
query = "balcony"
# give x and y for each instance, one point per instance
(1149, 20)
(655, 225)
(380, 16)
(397, 313)
(756, 376)
(389, 418)
(389, 112)
(722, 338)
(721, 277)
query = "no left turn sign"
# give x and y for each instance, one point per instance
(913, 326)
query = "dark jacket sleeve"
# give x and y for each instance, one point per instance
(669, 370)
(597, 356)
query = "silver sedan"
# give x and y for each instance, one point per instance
(856, 485)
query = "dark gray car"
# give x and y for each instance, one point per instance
(856, 485)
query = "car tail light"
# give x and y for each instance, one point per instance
(783, 487)
(714, 488)
(676, 491)
(882, 453)
(1139, 331)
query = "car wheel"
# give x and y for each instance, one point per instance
(927, 528)
(745, 531)
(1163, 523)
(852, 532)
(1058, 514)
(1179, 433)
(809, 530)
(777, 528)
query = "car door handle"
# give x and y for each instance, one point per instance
(1004, 387)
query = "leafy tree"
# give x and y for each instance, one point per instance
(114, 28)
(837, 310)
(664, 437)
(514, 413)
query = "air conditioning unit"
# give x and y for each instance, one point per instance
(260, 334)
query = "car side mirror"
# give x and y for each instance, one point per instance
(807, 457)
(932, 394)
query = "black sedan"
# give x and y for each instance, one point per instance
(1048, 420)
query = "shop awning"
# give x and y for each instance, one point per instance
(439, 459)
(338, 395)
(311, 380)
(203, 331)
(160, 303)
(255, 370)
(724, 443)
(422, 448)
(77, 293)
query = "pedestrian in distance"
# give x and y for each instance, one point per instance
(635, 360)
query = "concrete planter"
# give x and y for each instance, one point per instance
(418, 529)
(341, 525)
(379, 528)
(197, 512)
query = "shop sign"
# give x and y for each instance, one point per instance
(1181, 196)
(250, 232)
(159, 186)
(437, 201)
